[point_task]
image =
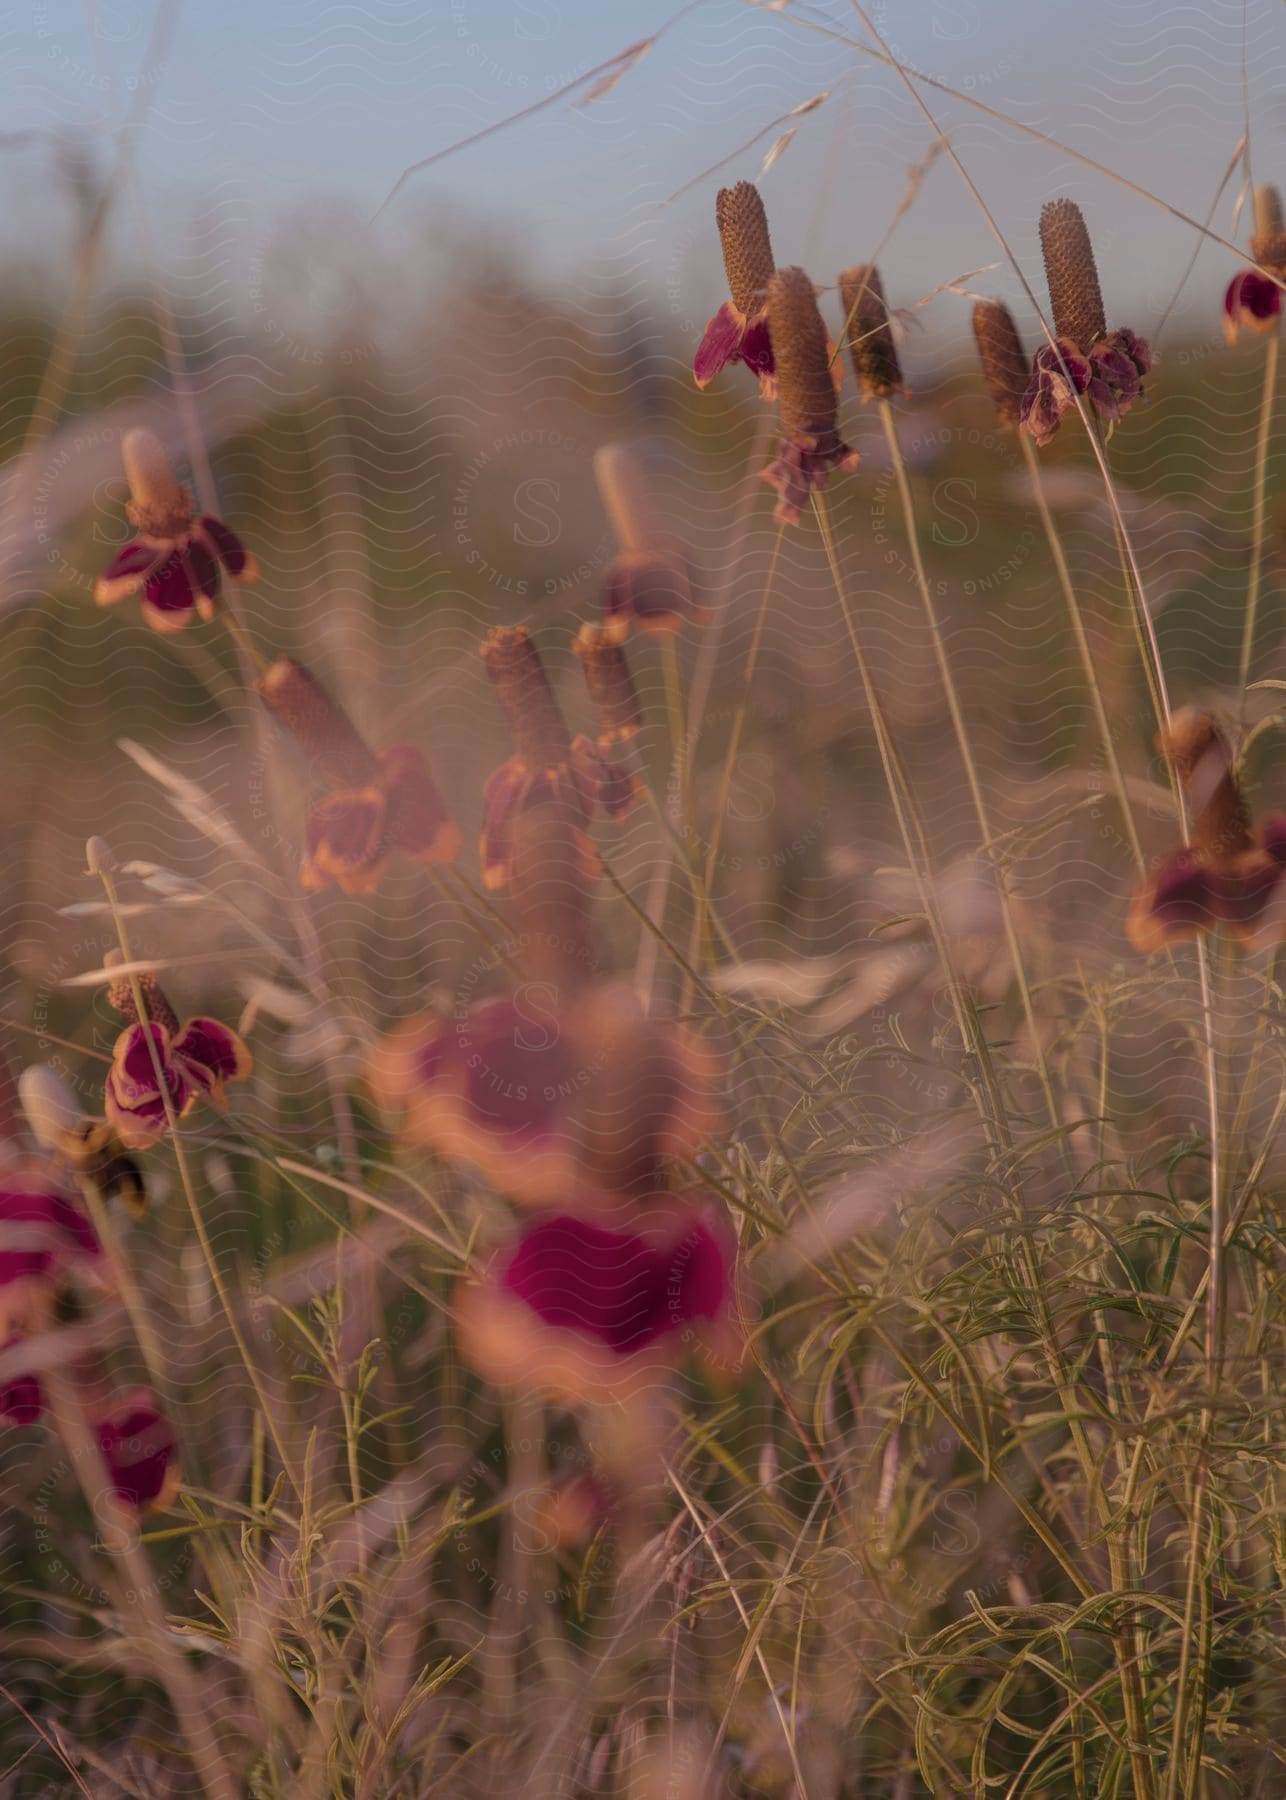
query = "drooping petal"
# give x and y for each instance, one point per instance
(720, 344)
(128, 570)
(802, 467)
(512, 788)
(228, 547)
(1059, 374)
(1252, 300)
(345, 842)
(132, 1099)
(211, 1054)
(757, 354)
(138, 1446)
(650, 589)
(417, 822)
(1177, 901)
(169, 599)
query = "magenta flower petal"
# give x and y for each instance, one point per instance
(40, 1235)
(138, 1446)
(757, 354)
(21, 1401)
(801, 468)
(720, 344)
(614, 1286)
(210, 1054)
(227, 546)
(168, 597)
(1059, 373)
(417, 822)
(1252, 300)
(344, 842)
(128, 570)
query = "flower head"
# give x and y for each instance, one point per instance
(810, 445)
(1252, 301)
(620, 716)
(1004, 362)
(1110, 377)
(548, 767)
(176, 558)
(573, 1101)
(738, 332)
(155, 1060)
(576, 1309)
(870, 335)
(379, 805)
(1230, 875)
(647, 583)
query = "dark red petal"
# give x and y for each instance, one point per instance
(416, 822)
(1178, 900)
(138, 1447)
(169, 588)
(720, 344)
(344, 836)
(211, 1053)
(202, 570)
(225, 543)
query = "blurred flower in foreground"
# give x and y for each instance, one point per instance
(138, 1446)
(21, 1401)
(176, 557)
(738, 332)
(1106, 367)
(43, 1237)
(576, 1309)
(811, 445)
(547, 768)
(1229, 874)
(379, 805)
(572, 1103)
(647, 583)
(869, 334)
(195, 1061)
(1004, 363)
(1253, 300)
(89, 1149)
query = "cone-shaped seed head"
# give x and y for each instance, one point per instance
(148, 469)
(747, 250)
(1268, 244)
(805, 385)
(610, 683)
(525, 696)
(121, 995)
(870, 337)
(1004, 364)
(1070, 270)
(318, 723)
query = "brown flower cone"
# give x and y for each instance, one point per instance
(870, 338)
(525, 696)
(1268, 243)
(1070, 270)
(120, 994)
(549, 896)
(1004, 363)
(1198, 752)
(318, 724)
(747, 249)
(611, 686)
(157, 504)
(805, 385)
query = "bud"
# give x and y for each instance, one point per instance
(747, 249)
(611, 686)
(870, 337)
(319, 725)
(1199, 754)
(1268, 245)
(1004, 364)
(99, 859)
(525, 697)
(1074, 296)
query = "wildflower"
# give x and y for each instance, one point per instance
(138, 1446)
(647, 582)
(195, 1062)
(553, 1101)
(580, 1310)
(620, 716)
(379, 805)
(1004, 362)
(1254, 300)
(176, 557)
(870, 336)
(87, 1148)
(810, 444)
(548, 767)
(738, 332)
(43, 1237)
(1230, 874)
(1086, 359)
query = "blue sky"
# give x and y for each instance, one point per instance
(265, 107)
